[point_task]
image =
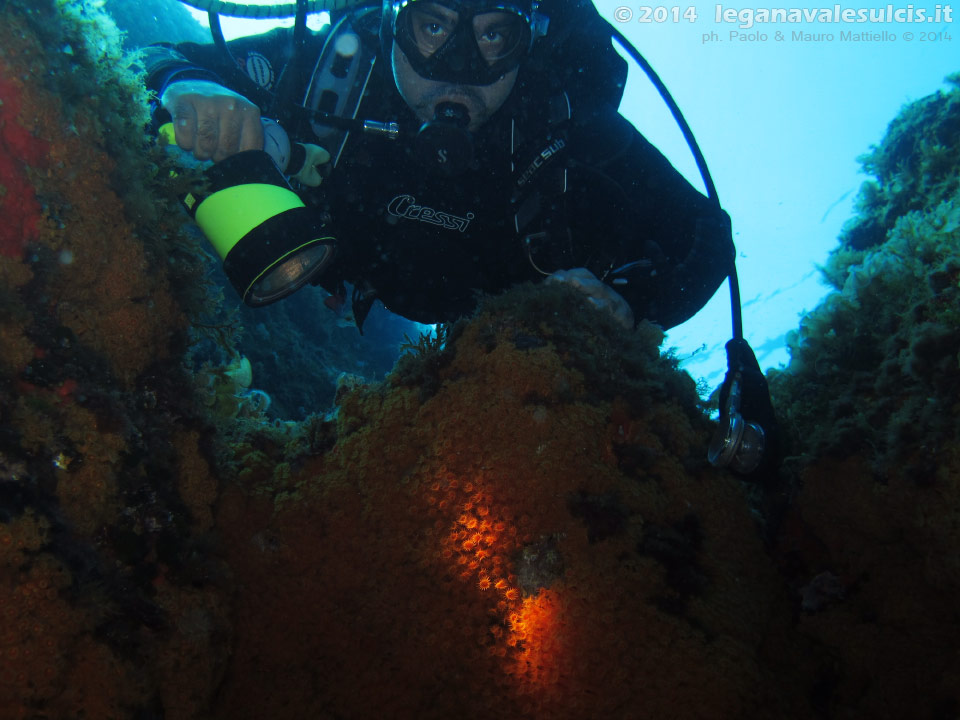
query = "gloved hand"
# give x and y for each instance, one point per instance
(598, 293)
(315, 157)
(211, 121)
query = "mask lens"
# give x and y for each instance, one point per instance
(499, 35)
(465, 45)
(429, 26)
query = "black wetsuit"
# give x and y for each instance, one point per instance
(428, 245)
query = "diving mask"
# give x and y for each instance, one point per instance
(469, 43)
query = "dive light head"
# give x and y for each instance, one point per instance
(444, 143)
(746, 438)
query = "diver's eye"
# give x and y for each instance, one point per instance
(497, 34)
(430, 27)
(491, 37)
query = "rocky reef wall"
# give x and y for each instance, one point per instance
(872, 400)
(105, 489)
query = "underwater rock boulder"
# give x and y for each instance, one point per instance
(520, 521)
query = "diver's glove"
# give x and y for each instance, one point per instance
(598, 293)
(302, 162)
(310, 158)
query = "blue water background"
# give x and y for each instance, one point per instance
(781, 125)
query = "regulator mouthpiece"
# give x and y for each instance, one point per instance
(444, 143)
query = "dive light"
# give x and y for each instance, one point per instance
(270, 243)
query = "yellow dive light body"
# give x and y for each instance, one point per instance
(270, 243)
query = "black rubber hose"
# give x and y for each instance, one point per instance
(735, 311)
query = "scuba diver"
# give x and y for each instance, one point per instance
(427, 152)
(516, 165)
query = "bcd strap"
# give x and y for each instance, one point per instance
(340, 76)
(539, 163)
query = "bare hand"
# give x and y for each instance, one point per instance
(600, 294)
(211, 121)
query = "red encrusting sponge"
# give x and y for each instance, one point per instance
(19, 209)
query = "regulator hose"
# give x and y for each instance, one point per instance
(271, 12)
(734, 283)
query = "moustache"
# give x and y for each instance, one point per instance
(464, 91)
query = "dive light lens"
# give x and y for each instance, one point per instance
(289, 275)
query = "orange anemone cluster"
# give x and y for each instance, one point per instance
(476, 539)
(479, 545)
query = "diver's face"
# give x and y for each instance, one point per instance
(423, 95)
